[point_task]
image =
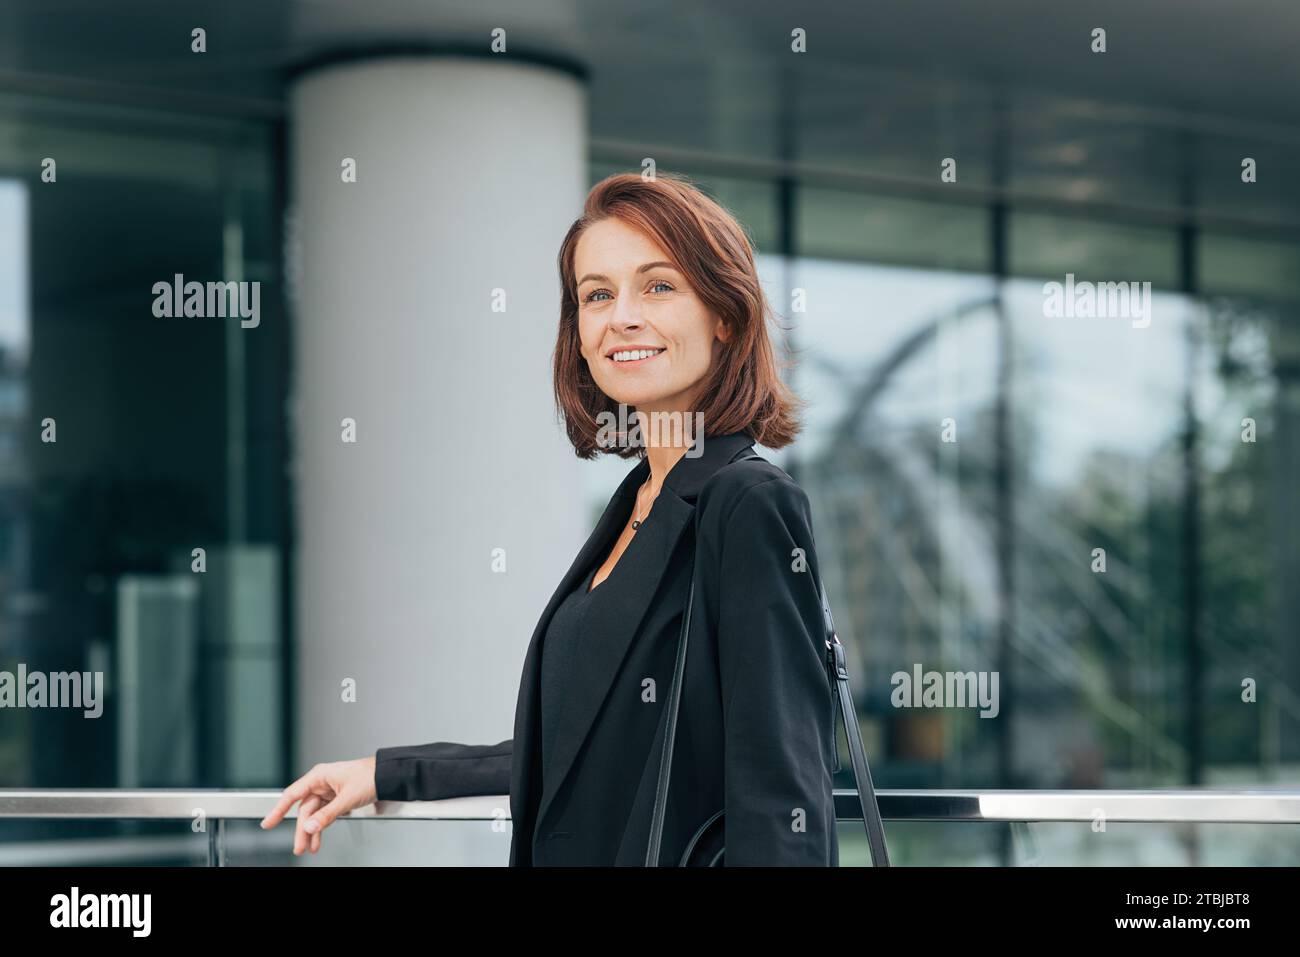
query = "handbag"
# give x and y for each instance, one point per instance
(706, 847)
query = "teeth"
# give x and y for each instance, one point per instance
(634, 354)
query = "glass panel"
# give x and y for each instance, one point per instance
(1097, 619)
(1273, 197)
(1248, 413)
(834, 224)
(102, 843)
(130, 439)
(891, 358)
(888, 125)
(370, 843)
(1052, 246)
(1246, 265)
(1092, 152)
(1069, 844)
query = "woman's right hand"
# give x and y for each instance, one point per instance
(339, 786)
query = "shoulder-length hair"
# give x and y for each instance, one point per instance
(743, 391)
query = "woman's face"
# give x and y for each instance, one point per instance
(631, 299)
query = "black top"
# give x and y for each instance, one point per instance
(568, 638)
(563, 644)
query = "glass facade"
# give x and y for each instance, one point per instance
(1094, 505)
(144, 533)
(1096, 508)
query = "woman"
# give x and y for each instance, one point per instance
(662, 312)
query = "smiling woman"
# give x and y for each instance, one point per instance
(645, 334)
(655, 265)
(661, 312)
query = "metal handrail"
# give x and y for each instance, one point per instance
(1210, 805)
(1235, 806)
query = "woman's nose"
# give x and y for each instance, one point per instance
(627, 316)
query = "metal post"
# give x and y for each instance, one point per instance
(217, 843)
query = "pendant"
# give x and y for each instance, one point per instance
(635, 524)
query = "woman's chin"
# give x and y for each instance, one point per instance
(642, 400)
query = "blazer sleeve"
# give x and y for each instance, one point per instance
(776, 696)
(444, 769)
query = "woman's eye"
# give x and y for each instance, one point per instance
(659, 282)
(591, 296)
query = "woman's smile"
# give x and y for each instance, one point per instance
(631, 358)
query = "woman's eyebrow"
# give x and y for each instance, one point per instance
(640, 269)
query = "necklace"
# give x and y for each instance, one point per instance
(636, 522)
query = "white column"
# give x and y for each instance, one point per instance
(468, 173)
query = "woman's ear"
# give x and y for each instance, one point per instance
(722, 331)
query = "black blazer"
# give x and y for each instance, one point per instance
(755, 733)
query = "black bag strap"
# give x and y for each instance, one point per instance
(839, 675)
(838, 678)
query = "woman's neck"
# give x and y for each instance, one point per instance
(662, 458)
(665, 447)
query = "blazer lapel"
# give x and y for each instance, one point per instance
(616, 627)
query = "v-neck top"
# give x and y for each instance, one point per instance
(560, 651)
(564, 642)
(567, 639)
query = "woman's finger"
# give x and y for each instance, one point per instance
(292, 794)
(300, 836)
(339, 804)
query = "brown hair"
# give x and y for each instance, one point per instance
(743, 391)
